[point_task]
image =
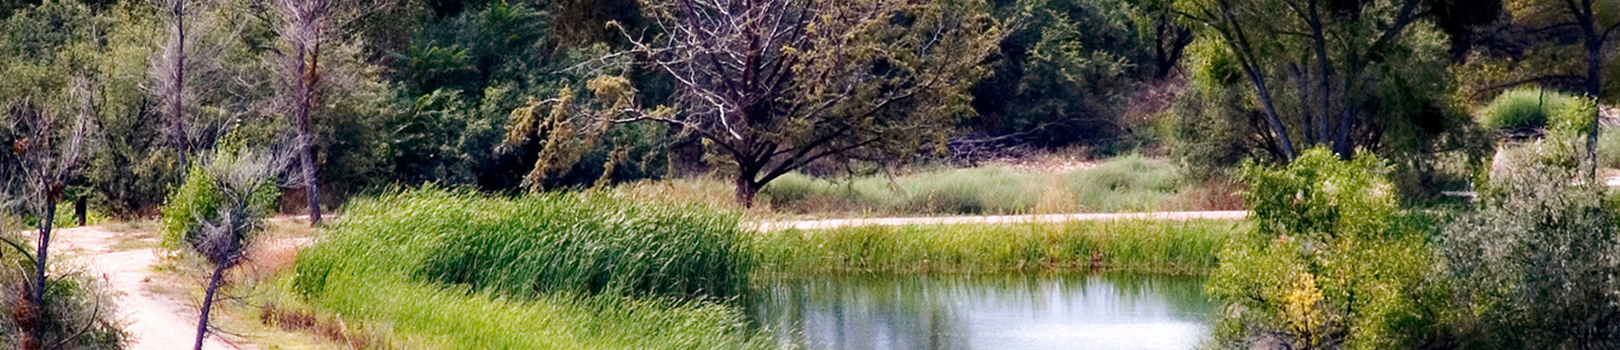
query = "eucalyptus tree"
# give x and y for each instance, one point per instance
(773, 85)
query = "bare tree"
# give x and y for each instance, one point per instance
(169, 72)
(48, 160)
(774, 85)
(305, 27)
(239, 178)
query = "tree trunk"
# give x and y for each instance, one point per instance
(176, 108)
(208, 305)
(746, 189)
(1277, 127)
(39, 268)
(306, 153)
(80, 210)
(1594, 88)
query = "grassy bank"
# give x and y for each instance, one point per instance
(1125, 246)
(1130, 183)
(463, 271)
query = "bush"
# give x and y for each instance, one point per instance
(1534, 265)
(1524, 108)
(75, 306)
(197, 201)
(1330, 261)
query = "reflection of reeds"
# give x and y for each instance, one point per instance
(844, 311)
(1123, 246)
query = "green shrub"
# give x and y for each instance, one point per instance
(1535, 263)
(75, 305)
(65, 216)
(197, 201)
(1524, 108)
(1331, 262)
(467, 271)
(180, 213)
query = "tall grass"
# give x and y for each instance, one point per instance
(1609, 149)
(1121, 184)
(1127, 246)
(467, 271)
(1524, 107)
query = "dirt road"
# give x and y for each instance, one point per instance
(154, 321)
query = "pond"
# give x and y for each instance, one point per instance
(1035, 311)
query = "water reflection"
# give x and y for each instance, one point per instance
(985, 312)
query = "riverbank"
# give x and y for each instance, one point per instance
(518, 284)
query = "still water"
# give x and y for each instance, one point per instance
(1003, 312)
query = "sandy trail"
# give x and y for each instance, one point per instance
(154, 321)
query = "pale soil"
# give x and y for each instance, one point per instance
(154, 320)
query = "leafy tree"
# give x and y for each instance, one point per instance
(1564, 45)
(1064, 73)
(1324, 72)
(806, 81)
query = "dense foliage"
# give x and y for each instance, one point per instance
(1535, 264)
(1330, 262)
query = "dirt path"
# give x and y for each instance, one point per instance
(153, 320)
(1002, 219)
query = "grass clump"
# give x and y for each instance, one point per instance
(1125, 246)
(1524, 108)
(1126, 183)
(1609, 149)
(548, 271)
(1122, 184)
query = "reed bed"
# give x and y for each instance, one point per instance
(1129, 183)
(466, 271)
(1116, 246)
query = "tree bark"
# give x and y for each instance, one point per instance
(208, 304)
(747, 188)
(1594, 88)
(176, 108)
(39, 267)
(308, 73)
(1239, 43)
